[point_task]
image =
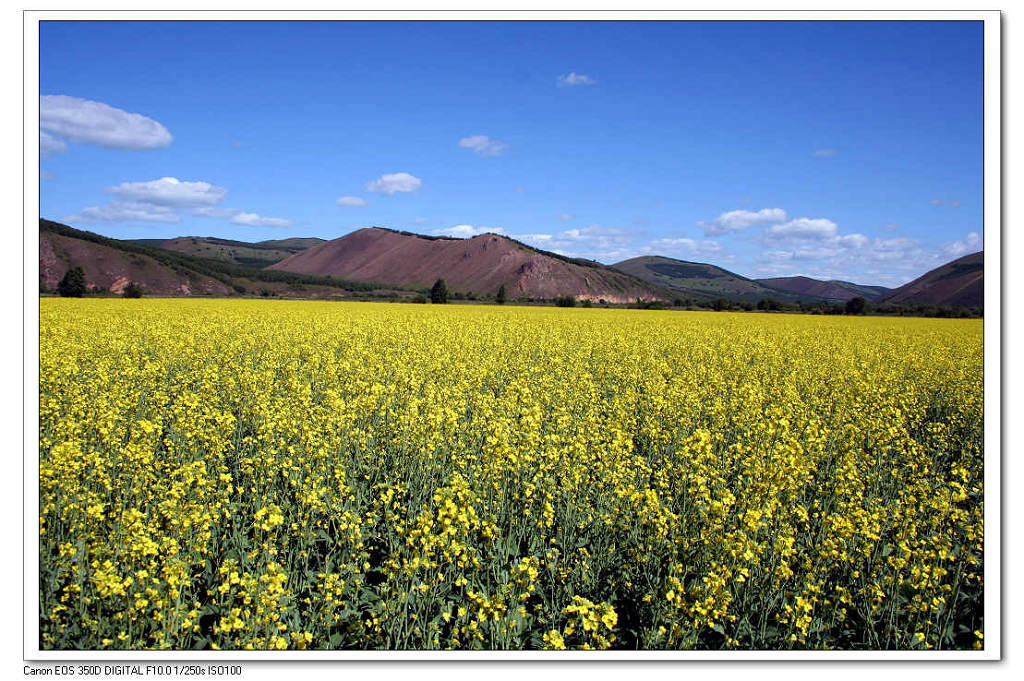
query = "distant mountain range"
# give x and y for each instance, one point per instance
(390, 263)
(259, 254)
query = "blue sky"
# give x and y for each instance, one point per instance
(847, 150)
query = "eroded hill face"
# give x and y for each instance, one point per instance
(112, 270)
(479, 265)
(960, 282)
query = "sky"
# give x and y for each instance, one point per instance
(837, 150)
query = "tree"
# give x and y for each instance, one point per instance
(501, 297)
(132, 290)
(856, 305)
(565, 301)
(73, 283)
(439, 292)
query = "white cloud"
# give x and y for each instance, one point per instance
(936, 202)
(606, 244)
(572, 78)
(170, 191)
(254, 220)
(48, 145)
(46, 175)
(566, 216)
(88, 122)
(466, 231)
(684, 246)
(421, 220)
(391, 183)
(351, 201)
(969, 244)
(955, 203)
(482, 145)
(804, 228)
(824, 153)
(738, 220)
(851, 257)
(213, 212)
(125, 211)
(891, 227)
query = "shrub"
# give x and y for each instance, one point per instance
(132, 290)
(502, 296)
(565, 301)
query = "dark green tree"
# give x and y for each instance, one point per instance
(565, 301)
(856, 305)
(439, 292)
(73, 283)
(501, 297)
(132, 290)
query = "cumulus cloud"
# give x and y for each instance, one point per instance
(350, 201)
(49, 145)
(466, 231)
(170, 191)
(125, 211)
(739, 220)
(88, 122)
(572, 78)
(254, 220)
(969, 244)
(824, 153)
(805, 228)
(482, 145)
(392, 183)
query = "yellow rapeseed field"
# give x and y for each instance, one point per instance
(321, 475)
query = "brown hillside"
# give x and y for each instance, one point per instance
(111, 269)
(481, 265)
(960, 282)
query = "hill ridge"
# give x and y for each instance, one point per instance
(480, 264)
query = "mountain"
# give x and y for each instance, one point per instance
(479, 265)
(258, 254)
(834, 290)
(110, 264)
(960, 282)
(702, 279)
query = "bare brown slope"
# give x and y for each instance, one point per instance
(112, 270)
(831, 290)
(481, 265)
(960, 282)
